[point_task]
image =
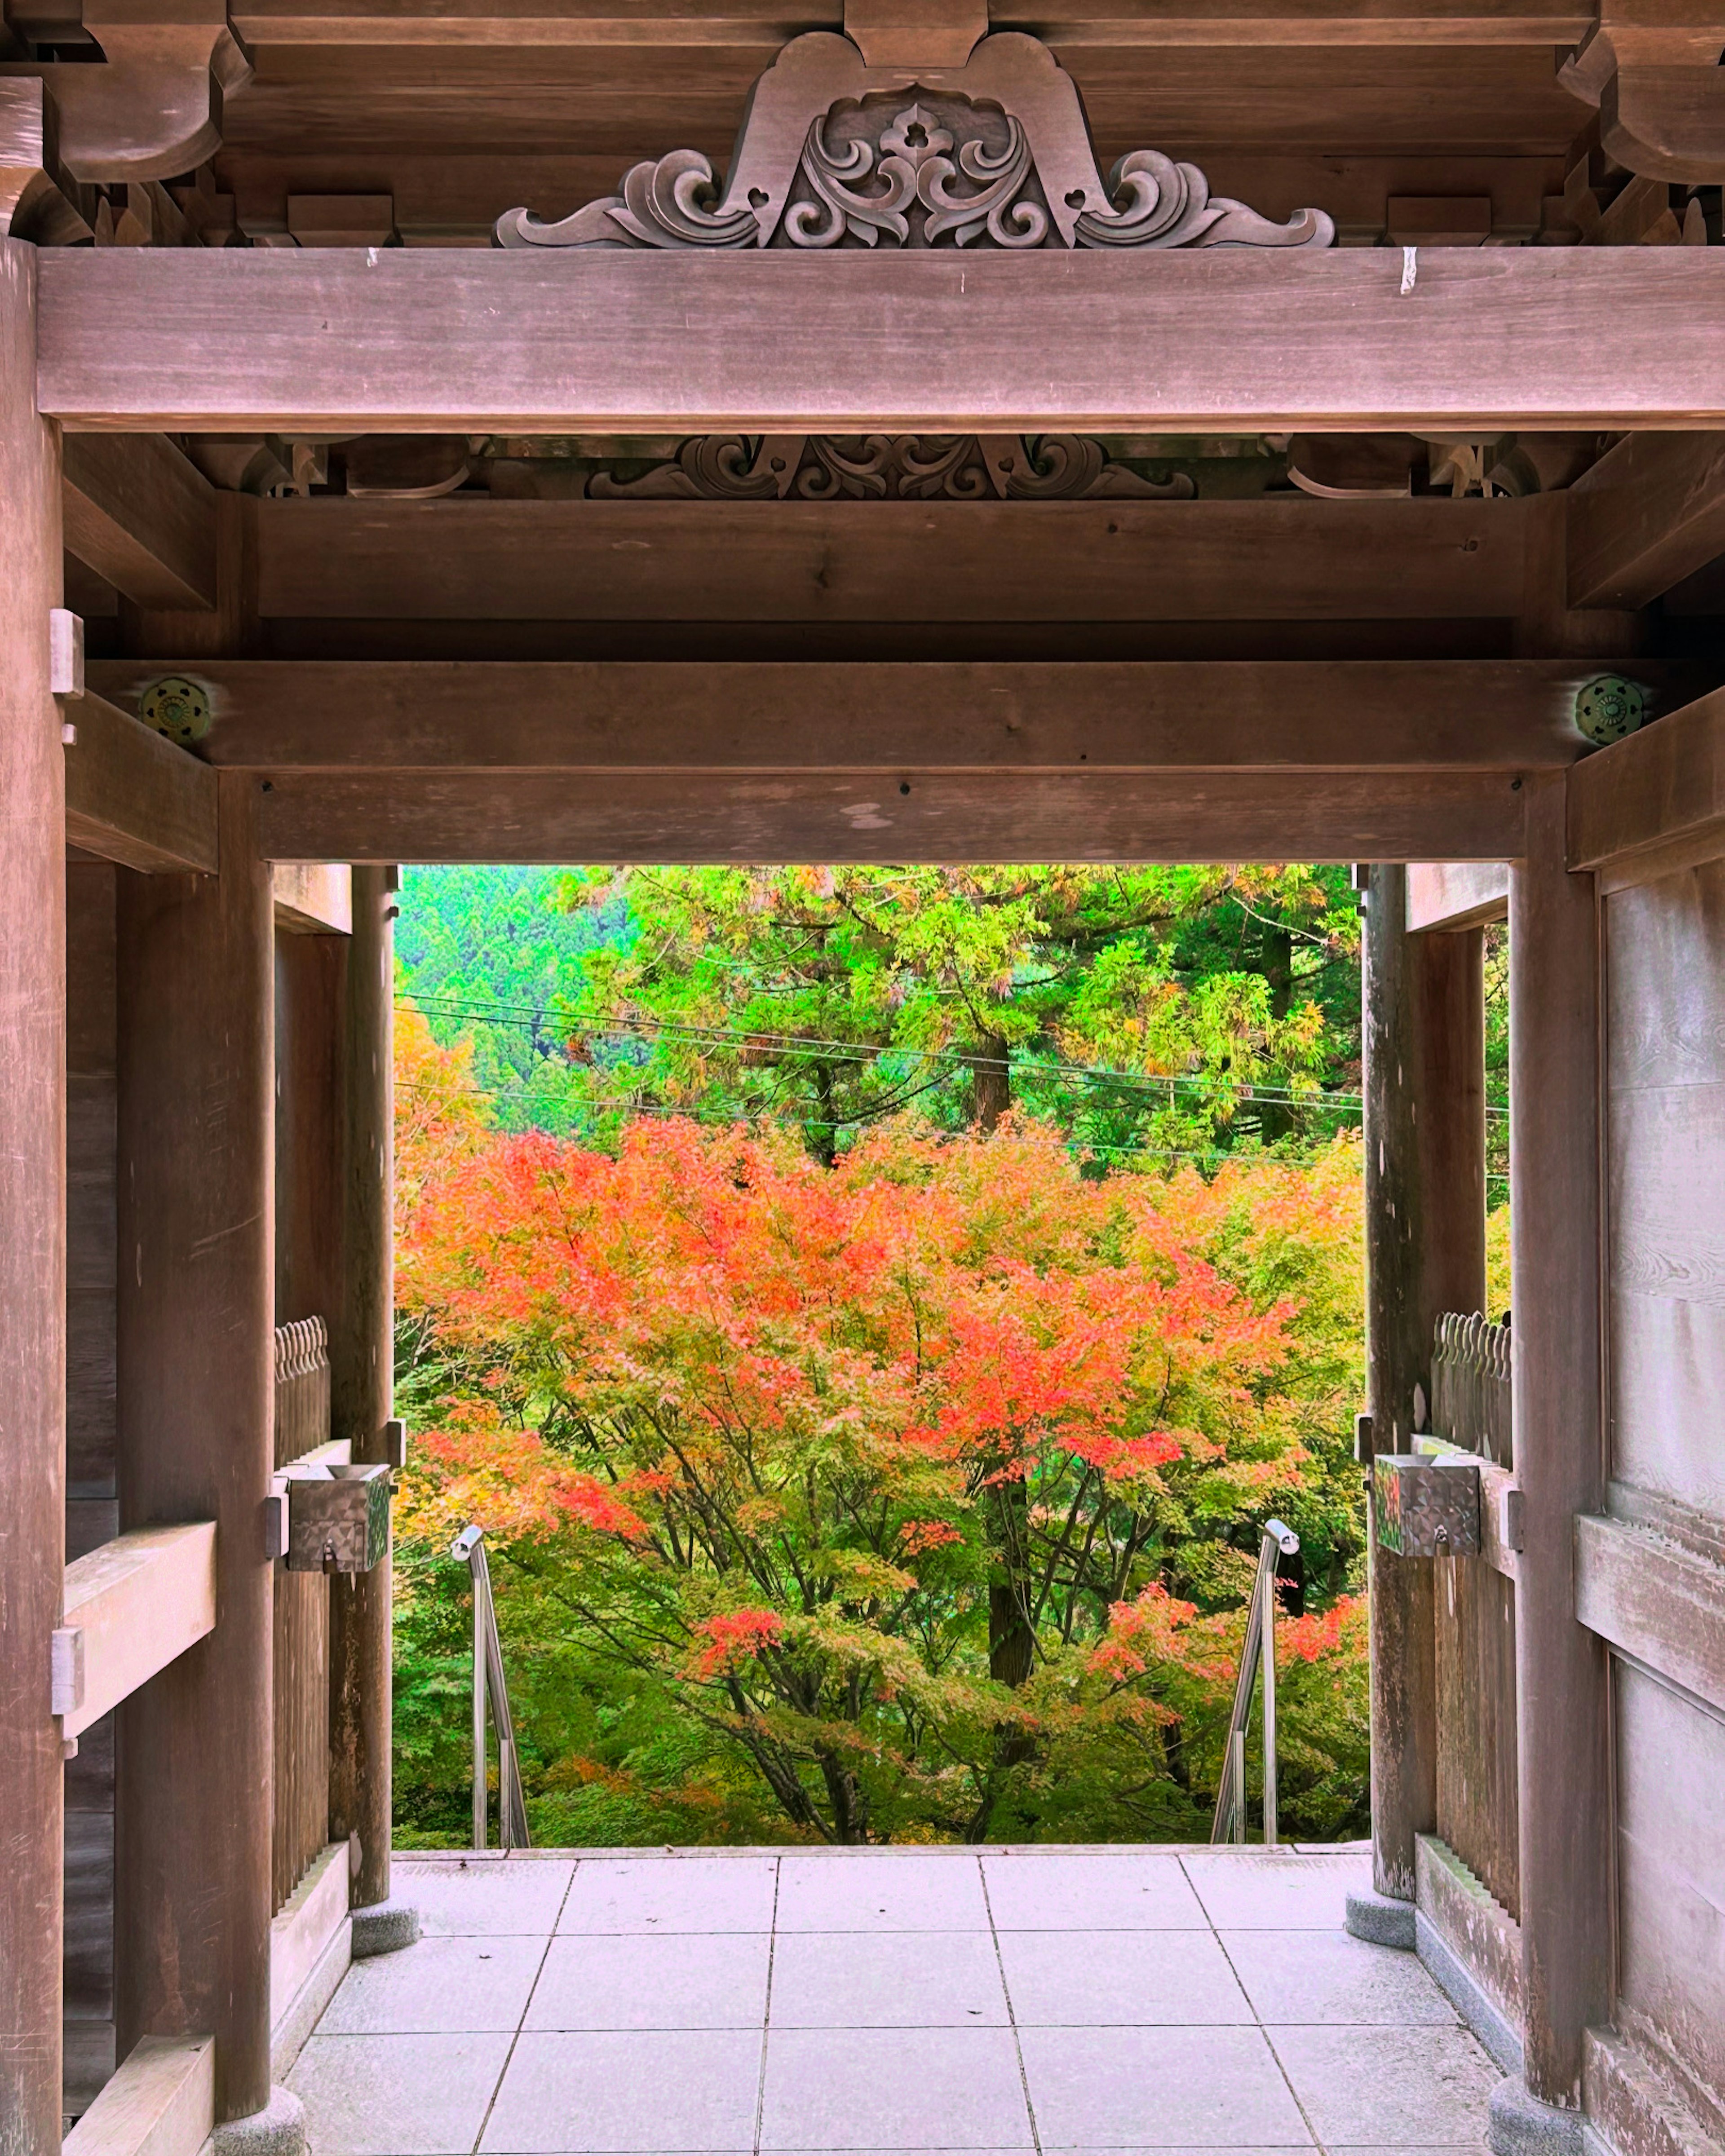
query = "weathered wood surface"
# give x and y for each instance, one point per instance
(313, 898)
(1221, 341)
(1022, 816)
(1479, 1930)
(135, 798)
(1650, 513)
(1501, 716)
(195, 1400)
(363, 1376)
(1665, 1161)
(1654, 803)
(32, 1232)
(481, 559)
(1561, 1683)
(1477, 1810)
(139, 512)
(1448, 894)
(139, 1601)
(161, 2102)
(1662, 1606)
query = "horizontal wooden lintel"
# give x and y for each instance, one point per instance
(1210, 341)
(1451, 895)
(161, 2103)
(139, 1602)
(132, 797)
(314, 898)
(1655, 803)
(1652, 1599)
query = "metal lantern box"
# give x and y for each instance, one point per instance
(1426, 1506)
(338, 1519)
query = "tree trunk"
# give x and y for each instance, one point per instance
(990, 1083)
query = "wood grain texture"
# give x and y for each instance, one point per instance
(133, 798)
(477, 559)
(1670, 1860)
(1663, 1607)
(1451, 895)
(1478, 1814)
(1219, 340)
(161, 2103)
(1651, 512)
(313, 898)
(196, 1367)
(1481, 1934)
(1655, 802)
(1502, 716)
(1563, 1770)
(139, 512)
(362, 1370)
(33, 1231)
(139, 1601)
(1186, 816)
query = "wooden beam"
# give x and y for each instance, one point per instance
(161, 2103)
(1283, 559)
(140, 513)
(1563, 1771)
(1649, 514)
(196, 1391)
(33, 1241)
(1655, 803)
(132, 797)
(1193, 815)
(526, 341)
(313, 898)
(1666, 123)
(1662, 1606)
(139, 1601)
(1509, 715)
(1452, 894)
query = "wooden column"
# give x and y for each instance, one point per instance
(195, 1425)
(1561, 1674)
(1424, 1047)
(361, 1383)
(32, 1232)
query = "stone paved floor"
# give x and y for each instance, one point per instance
(1077, 1999)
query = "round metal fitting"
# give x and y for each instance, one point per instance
(1608, 708)
(176, 707)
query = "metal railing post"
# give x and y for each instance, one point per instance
(1257, 1649)
(490, 1689)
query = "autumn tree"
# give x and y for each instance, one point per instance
(1166, 1008)
(767, 1448)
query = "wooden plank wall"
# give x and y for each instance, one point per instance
(92, 1511)
(1665, 978)
(301, 1631)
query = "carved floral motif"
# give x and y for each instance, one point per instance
(995, 153)
(891, 468)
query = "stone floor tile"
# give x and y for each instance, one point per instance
(397, 2095)
(1158, 2088)
(678, 1980)
(1393, 2088)
(1115, 1979)
(487, 1898)
(1267, 1892)
(939, 1890)
(1330, 1977)
(887, 1980)
(663, 1894)
(886, 2089)
(621, 2092)
(1085, 1889)
(436, 1985)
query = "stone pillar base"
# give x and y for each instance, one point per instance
(383, 1927)
(279, 2129)
(1520, 2125)
(1381, 1919)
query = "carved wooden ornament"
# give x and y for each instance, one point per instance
(835, 153)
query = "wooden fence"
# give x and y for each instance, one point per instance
(301, 1625)
(1477, 1804)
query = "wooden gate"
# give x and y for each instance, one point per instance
(301, 1625)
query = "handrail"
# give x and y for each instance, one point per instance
(1258, 1648)
(488, 1681)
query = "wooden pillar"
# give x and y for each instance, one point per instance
(1424, 1048)
(361, 1383)
(195, 1425)
(1561, 1674)
(33, 1232)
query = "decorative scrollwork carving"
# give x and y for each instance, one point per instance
(891, 468)
(996, 152)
